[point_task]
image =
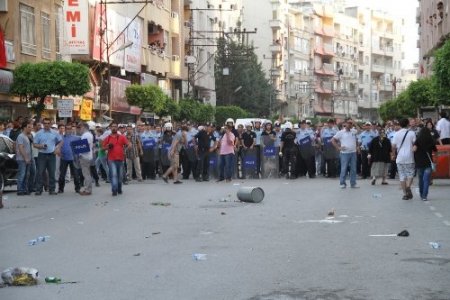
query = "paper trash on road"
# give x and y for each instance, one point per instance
(161, 204)
(20, 276)
(403, 233)
(435, 245)
(199, 256)
(326, 221)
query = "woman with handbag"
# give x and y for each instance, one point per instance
(423, 151)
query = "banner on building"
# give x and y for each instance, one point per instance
(128, 58)
(119, 101)
(75, 27)
(86, 110)
(65, 108)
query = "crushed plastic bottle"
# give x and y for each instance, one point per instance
(43, 238)
(435, 245)
(199, 256)
(52, 279)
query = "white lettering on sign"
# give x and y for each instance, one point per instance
(76, 39)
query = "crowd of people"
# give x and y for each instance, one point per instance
(50, 155)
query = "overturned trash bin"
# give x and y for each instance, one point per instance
(250, 194)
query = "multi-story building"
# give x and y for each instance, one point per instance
(380, 58)
(408, 76)
(434, 28)
(31, 34)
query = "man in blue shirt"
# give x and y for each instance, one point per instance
(364, 140)
(67, 160)
(48, 142)
(306, 155)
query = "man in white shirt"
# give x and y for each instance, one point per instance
(345, 141)
(402, 144)
(443, 127)
(85, 159)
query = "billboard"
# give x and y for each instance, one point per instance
(76, 31)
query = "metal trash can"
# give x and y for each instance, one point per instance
(442, 160)
(250, 194)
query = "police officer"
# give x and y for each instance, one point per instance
(149, 141)
(330, 153)
(393, 127)
(248, 144)
(288, 151)
(306, 156)
(278, 133)
(205, 143)
(258, 131)
(364, 140)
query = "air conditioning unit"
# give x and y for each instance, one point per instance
(3, 5)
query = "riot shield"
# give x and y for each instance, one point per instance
(190, 151)
(249, 168)
(269, 158)
(329, 151)
(214, 165)
(148, 147)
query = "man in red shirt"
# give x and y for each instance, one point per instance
(115, 143)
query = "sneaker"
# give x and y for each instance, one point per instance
(409, 193)
(114, 194)
(177, 182)
(60, 191)
(53, 193)
(198, 180)
(165, 179)
(97, 184)
(355, 186)
(405, 197)
(424, 199)
(343, 186)
(84, 193)
(119, 192)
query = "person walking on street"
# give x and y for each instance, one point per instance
(67, 160)
(364, 140)
(133, 154)
(379, 156)
(443, 128)
(49, 143)
(85, 160)
(174, 155)
(403, 147)
(115, 144)
(423, 152)
(25, 161)
(345, 141)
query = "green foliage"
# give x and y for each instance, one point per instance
(441, 69)
(400, 107)
(225, 112)
(246, 85)
(195, 111)
(170, 108)
(34, 82)
(148, 97)
(205, 114)
(421, 93)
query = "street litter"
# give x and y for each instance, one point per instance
(199, 256)
(377, 195)
(435, 245)
(137, 254)
(403, 233)
(326, 221)
(250, 194)
(331, 212)
(223, 213)
(236, 184)
(342, 216)
(161, 203)
(57, 280)
(40, 239)
(20, 276)
(155, 233)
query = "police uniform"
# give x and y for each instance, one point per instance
(248, 138)
(364, 139)
(306, 157)
(187, 155)
(393, 166)
(330, 153)
(149, 141)
(258, 132)
(289, 151)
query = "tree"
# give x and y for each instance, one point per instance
(148, 97)
(170, 108)
(441, 69)
(34, 82)
(205, 114)
(421, 93)
(246, 85)
(225, 112)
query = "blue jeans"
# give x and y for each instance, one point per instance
(25, 176)
(102, 161)
(46, 162)
(226, 166)
(348, 160)
(424, 175)
(116, 175)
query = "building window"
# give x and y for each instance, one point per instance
(58, 26)
(27, 30)
(45, 23)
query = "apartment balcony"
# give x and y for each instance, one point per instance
(326, 69)
(326, 31)
(155, 61)
(275, 48)
(386, 51)
(376, 68)
(276, 24)
(175, 67)
(275, 72)
(175, 23)
(324, 87)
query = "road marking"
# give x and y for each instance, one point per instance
(447, 223)
(432, 208)
(439, 215)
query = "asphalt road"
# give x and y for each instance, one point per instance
(282, 248)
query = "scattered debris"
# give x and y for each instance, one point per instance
(223, 213)
(377, 195)
(161, 203)
(20, 276)
(155, 233)
(199, 256)
(403, 233)
(326, 221)
(40, 239)
(331, 212)
(137, 254)
(52, 279)
(435, 245)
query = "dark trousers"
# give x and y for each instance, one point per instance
(64, 164)
(258, 159)
(331, 167)
(188, 165)
(290, 159)
(202, 165)
(393, 169)
(445, 141)
(148, 170)
(365, 165)
(46, 162)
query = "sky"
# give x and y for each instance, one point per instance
(401, 8)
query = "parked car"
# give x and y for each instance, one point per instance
(8, 163)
